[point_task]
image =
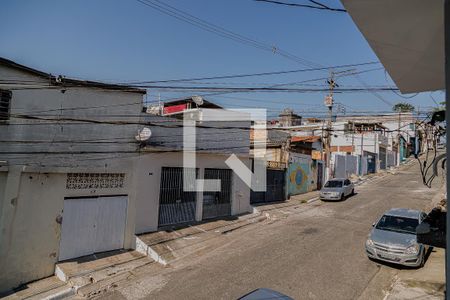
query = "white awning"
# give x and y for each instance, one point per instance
(408, 38)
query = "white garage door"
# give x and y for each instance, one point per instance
(92, 225)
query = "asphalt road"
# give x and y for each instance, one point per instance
(316, 252)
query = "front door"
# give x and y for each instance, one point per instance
(319, 175)
(218, 204)
(371, 162)
(275, 185)
(91, 225)
(175, 205)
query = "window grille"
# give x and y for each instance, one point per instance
(5, 104)
(79, 181)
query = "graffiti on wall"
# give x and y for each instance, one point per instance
(298, 178)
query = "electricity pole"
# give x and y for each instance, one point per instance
(329, 103)
(362, 148)
(398, 139)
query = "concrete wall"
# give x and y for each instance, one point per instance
(30, 234)
(230, 135)
(40, 153)
(148, 175)
(29, 141)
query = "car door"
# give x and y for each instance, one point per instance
(347, 187)
(350, 186)
(421, 218)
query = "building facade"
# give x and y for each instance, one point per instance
(66, 174)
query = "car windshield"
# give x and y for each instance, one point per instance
(398, 224)
(334, 183)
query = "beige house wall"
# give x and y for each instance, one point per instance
(148, 174)
(30, 232)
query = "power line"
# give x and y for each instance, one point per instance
(263, 89)
(218, 30)
(317, 6)
(373, 92)
(257, 74)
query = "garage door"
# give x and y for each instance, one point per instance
(91, 225)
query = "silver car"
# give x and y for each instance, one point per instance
(393, 238)
(337, 189)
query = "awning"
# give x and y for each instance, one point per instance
(408, 38)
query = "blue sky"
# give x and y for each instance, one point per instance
(124, 40)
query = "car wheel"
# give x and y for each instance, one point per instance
(353, 192)
(342, 197)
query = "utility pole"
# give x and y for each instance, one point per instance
(329, 103)
(353, 141)
(362, 148)
(398, 139)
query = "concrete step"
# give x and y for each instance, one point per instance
(100, 268)
(137, 280)
(88, 264)
(42, 289)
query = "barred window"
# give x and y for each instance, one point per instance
(5, 104)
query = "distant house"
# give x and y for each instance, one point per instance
(305, 166)
(294, 165)
(66, 170)
(176, 108)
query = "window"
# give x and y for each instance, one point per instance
(398, 224)
(333, 184)
(5, 104)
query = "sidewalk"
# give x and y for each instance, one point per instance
(425, 283)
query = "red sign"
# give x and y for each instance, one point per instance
(174, 108)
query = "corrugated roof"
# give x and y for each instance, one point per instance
(68, 82)
(305, 139)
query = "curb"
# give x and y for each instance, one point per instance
(313, 200)
(62, 294)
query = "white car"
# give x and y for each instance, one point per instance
(337, 189)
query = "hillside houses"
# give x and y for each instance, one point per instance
(86, 168)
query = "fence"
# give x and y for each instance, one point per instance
(345, 165)
(391, 158)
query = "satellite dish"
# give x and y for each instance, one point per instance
(144, 134)
(197, 100)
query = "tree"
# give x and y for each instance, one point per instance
(403, 107)
(441, 106)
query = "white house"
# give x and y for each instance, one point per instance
(66, 170)
(162, 200)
